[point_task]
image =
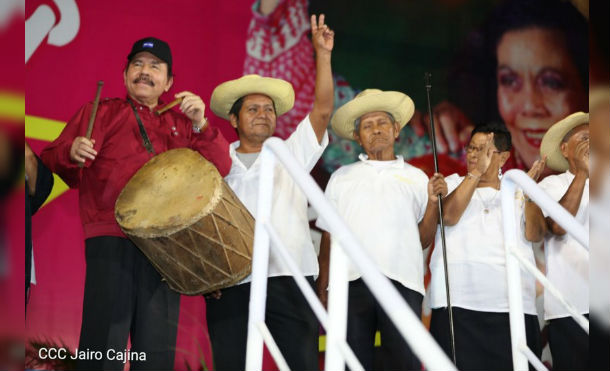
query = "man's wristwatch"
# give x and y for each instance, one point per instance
(199, 129)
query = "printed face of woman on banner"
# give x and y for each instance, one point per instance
(538, 85)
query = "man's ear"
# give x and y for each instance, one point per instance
(233, 120)
(396, 129)
(563, 147)
(169, 84)
(356, 137)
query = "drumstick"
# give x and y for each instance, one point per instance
(170, 105)
(93, 112)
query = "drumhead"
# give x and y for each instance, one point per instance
(170, 192)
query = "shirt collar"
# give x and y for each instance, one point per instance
(232, 147)
(233, 154)
(399, 162)
(160, 103)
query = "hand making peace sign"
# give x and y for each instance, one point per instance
(322, 37)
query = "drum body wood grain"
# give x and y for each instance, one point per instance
(188, 222)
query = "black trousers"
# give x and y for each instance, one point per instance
(288, 316)
(365, 316)
(482, 339)
(569, 344)
(124, 296)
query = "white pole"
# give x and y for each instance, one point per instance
(546, 203)
(538, 365)
(260, 263)
(336, 331)
(304, 286)
(311, 297)
(565, 220)
(579, 318)
(279, 359)
(513, 276)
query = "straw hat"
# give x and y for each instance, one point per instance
(551, 142)
(372, 100)
(227, 93)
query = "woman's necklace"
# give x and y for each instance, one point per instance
(486, 205)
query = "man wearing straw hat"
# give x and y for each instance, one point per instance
(566, 146)
(392, 208)
(125, 297)
(252, 104)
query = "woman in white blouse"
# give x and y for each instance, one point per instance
(476, 261)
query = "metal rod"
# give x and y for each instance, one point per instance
(96, 102)
(427, 77)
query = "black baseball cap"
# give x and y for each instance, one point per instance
(154, 46)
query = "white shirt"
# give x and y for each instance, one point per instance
(289, 208)
(382, 203)
(567, 263)
(476, 257)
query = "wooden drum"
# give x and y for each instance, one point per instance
(183, 216)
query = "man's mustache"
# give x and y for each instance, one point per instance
(379, 136)
(145, 79)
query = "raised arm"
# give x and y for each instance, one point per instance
(571, 199)
(323, 40)
(535, 224)
(458, 200)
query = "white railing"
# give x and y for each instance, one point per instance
(513, 178)
(335, 321)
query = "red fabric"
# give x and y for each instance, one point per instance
(278, 46)
(121, 153)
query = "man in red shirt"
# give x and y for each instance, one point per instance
(124, 294)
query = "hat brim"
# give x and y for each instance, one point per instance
(551, 142)
(227, 93)
(398, 104)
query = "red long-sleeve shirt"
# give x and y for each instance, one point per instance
(121, 153)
